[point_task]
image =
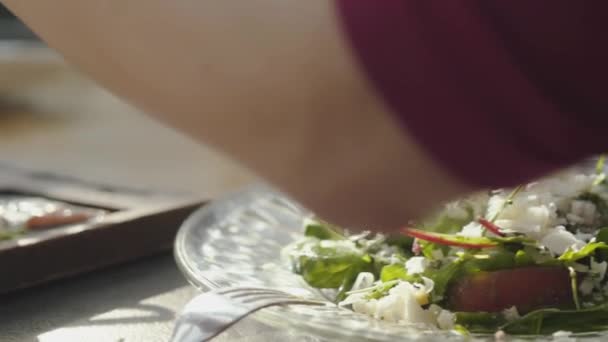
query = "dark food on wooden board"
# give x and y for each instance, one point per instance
(20, 215)
(54, 227)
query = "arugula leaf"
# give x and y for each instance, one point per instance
(600, 171)
(523, 258)
(8, 235)
(548, 321)
(402, 241)
(347, 284)
(589, 249)
(329, 266)
(493, 260)
(462, 330)
(322, 230)
(397, 271)
(520, 240)
(543, 321)
(443, 276)
(381, 290)
(393, 272)
(480, 322)
(599, 167)
(432, 251)
(542, 258)
(602, 235)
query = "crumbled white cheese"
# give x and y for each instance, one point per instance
(344, 245)
(598, 297)
(434, 309)
(563, 336)
(500, 336)
(496, 206)
(511, 314)
(574, 219)
(580, 267)
(416, 265)
(446, 320)
(559, 240)
(583, 236)
(429, 285)
(367, 307)
(584, 210)
(399, 305)
(364, 280)
(599, 268)
(455, 210)
(472, 229)
(355, 299)
(586, 286)
(576, 207)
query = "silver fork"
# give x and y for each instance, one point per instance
(210, 313)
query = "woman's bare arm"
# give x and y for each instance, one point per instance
(270, 82)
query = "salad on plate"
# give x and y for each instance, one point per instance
(523, 261)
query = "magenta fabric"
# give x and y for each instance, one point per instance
(498, 92)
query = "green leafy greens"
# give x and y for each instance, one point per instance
(330, 258)
(543, 321)
(574, 255)
(322, 230)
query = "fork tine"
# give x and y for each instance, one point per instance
(265, 302)
(240, 294)
(231, 290)
(252, 299)
(235, 294)
(208, 314)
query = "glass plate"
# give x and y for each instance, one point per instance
(238, 241)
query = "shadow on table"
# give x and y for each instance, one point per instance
(155, 313)
(75, 301)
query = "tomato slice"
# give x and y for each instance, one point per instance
(527, 288)
(55, 219)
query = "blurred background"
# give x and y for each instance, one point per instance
(53, 118)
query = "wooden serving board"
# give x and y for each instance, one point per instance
(138, 224)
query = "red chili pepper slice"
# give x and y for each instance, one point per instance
(490, 226)
(449, 240)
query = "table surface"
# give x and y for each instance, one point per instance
(54, 119)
